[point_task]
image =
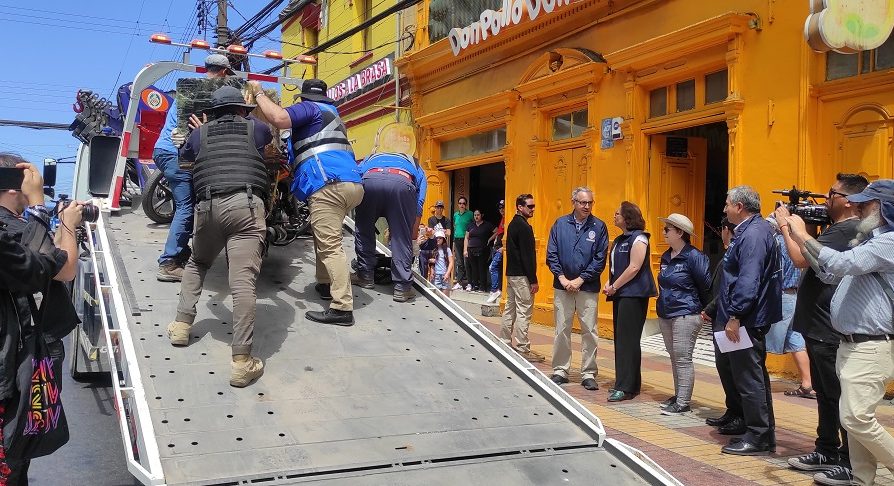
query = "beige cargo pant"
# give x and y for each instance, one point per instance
(328, 208)
(517, 314)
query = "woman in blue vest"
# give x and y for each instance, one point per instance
(685, 289)
(629, 288)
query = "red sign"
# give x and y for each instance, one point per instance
(373, 73)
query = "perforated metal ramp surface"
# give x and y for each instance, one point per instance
(406, 391)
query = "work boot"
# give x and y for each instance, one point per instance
(324, 290)
(361, 282)
(332, 316)
(178, 333)
(244, 370)
(401, 295)
(169, 272)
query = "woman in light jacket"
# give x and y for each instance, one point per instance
(684, 285)
(629, 288)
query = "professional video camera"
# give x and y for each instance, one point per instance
(89, 212)
(803, 204)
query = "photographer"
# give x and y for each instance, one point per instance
(30, 263)
(813, 320)
(861, 311)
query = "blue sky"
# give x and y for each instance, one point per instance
(54, 47)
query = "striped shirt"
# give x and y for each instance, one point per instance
(791, 275)
(860, 305)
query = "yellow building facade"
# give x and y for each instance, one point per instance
(664, 103)
(359, 70)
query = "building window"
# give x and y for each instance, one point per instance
(686, 95)
(444, 15)
(570, 125)
(477, 144)
(840, 66)
(716, 86)
(658, 102)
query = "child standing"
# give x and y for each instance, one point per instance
(443, 263)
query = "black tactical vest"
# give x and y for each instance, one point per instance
(228, 160)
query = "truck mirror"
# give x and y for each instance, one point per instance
(49, 176)
(101, 164)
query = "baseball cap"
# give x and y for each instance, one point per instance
(440, 234)
(679, 221)
(439, 204)
(220, 61)
(315, 90)
(882, 189)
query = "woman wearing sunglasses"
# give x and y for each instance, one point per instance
(684, 285)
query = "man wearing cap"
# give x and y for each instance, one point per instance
(439, 219)
(176, 252)
(394, 187)
(231, 184)
(328, 178)
(575, 254)
(862, 312)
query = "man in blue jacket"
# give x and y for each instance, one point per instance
(576, 253)
(751, 297)
(394, 187)
(327, 177)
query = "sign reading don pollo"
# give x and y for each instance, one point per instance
(491, 22)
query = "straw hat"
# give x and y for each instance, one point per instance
(681, 222)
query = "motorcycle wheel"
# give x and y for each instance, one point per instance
(158, 200)
(302, 218)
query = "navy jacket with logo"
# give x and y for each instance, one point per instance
(576, 253)
(642, 285)
(751, 283)
(684, 283)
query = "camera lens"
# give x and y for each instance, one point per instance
(90, 213)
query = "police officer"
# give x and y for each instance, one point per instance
(327, 177)
(230, 184)
(394, 188)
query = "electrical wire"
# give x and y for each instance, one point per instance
(67, 15)
(80, 27)
(127, 51)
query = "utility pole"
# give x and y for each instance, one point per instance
(223, 33)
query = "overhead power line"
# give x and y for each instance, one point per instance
(34, 125)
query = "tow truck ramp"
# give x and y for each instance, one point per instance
(413, 393)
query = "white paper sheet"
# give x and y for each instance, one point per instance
(725, 345)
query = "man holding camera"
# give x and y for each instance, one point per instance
(31, 264)
(813, 320)
(862, 311)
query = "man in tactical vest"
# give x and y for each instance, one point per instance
(394, 188)
(230, 183)
(328, 178)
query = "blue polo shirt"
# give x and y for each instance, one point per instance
(333, 166)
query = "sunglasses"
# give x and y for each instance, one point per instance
(530, 206)
(462, 204)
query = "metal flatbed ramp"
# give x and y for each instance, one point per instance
(409, 395)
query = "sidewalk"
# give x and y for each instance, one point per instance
(685, 446)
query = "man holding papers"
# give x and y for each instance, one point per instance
(750, 298)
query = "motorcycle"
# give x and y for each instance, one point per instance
(287, 218)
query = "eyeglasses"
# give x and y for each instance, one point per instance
(832, 194)
(584, 203)
(461, 204)
(530, 206)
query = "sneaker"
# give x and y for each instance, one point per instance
(468, 288)
(169, 272)
(458, 286)
(493, 297)
(178, 333)
(837, 476)
(667, 403)
(814, 461)
(243, 372)
(675, 409)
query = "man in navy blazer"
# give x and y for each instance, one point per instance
(575, 254)
(751, 297)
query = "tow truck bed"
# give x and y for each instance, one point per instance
(414, 393)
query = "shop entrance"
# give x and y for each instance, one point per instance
(484, 186)
(692, 179)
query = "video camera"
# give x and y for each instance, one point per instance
(803, 204)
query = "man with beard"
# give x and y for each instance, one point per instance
(830, 458)
(862, 311)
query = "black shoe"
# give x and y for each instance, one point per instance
(815, 461)
(323, 290)
(735, 427)
(675, 409)
(558, 379)
(590, 384)
(332, 316)
(667, 403)
(745, 448)
(720, 421)
(837, 476)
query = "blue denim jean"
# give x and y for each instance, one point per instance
(496, 267)
(180, 181)
(781, 338)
